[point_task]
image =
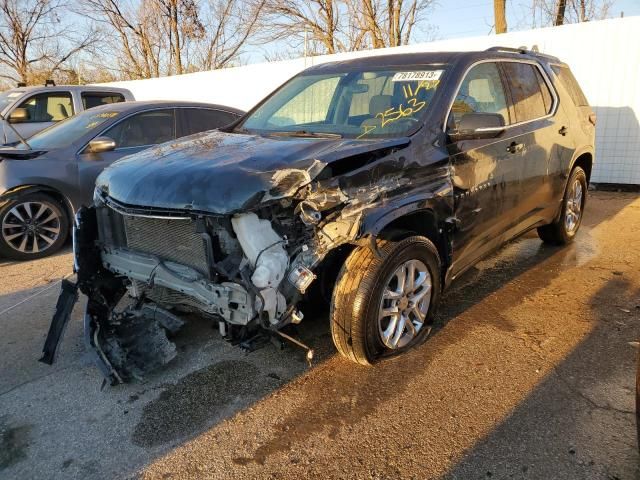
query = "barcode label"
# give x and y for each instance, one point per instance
(417, 76)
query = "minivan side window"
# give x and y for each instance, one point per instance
(48, 107)
(142, 129)
(526, 92)
(481, 91)
(95, 99)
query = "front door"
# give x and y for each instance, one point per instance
(485, 172)
(133, 134)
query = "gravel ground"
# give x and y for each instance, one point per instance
(529, 374)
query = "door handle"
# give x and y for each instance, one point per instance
(515, 147)
(563, 130)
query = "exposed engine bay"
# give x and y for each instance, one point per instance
(141, 270)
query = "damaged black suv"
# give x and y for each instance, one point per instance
(374, 181)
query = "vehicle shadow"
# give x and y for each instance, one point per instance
(577, 422)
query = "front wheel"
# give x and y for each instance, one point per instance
(32, 226)
(564, 229)
(384, 305)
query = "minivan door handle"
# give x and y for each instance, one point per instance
(515, 147)
(563, 131)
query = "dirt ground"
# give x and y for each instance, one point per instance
(530, 373)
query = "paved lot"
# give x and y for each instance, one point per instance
(530, 374)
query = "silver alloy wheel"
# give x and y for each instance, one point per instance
(573, 209)
(405, 304)
(31, 227)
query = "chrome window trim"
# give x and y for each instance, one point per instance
(545, 77)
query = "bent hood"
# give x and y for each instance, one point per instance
(223, 173)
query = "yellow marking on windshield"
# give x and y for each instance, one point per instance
(367, 130)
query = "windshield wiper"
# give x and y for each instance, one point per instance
(304, 133)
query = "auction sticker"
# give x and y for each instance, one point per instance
(417, 76)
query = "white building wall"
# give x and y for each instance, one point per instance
(604, 56)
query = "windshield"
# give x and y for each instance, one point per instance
(362, 104)
(7, 98)
(64, 133)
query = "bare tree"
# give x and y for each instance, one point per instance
(33, 38)
(332, 26)
(316, 21)
(164, 37)
(500, 15)
(230, 24)
(389, 23)
(560, 12)
(134, 37)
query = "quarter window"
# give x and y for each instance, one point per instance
(142, 129)
(48, 107)
(196, 120)
(481, 92)
(525, 83)
(569, 81)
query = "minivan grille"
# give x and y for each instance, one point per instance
(174, 240)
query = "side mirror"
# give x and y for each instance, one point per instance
(19, 115)
(101, 144)
(477, 126)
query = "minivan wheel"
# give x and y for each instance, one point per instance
(32, 226)
(564, 229)
(384, 305)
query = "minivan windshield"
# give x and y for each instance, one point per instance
(64, 133)
(353, 104)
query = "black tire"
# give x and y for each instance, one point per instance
(11, 237)
(558, 232)
(358, 296)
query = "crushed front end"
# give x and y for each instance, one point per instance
(143, 269)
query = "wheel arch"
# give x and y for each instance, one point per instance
(51, 191)
(416, 219)
(583, 159)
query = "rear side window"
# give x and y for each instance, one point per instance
(196, 120)
(48, 107)
(95, 99)
(142, 129)
(481, 91)
(525, 83)
(571, 84)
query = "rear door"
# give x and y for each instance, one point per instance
(485, 172)
(132, 134)
(541, 130)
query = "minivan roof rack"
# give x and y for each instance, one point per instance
(523, 50)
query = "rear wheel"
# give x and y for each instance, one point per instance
(32, 226)
(383, 306)
(564, 229)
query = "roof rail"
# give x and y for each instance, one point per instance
(523, 50)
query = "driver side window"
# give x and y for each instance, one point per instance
(142, 129)
(480, 92)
